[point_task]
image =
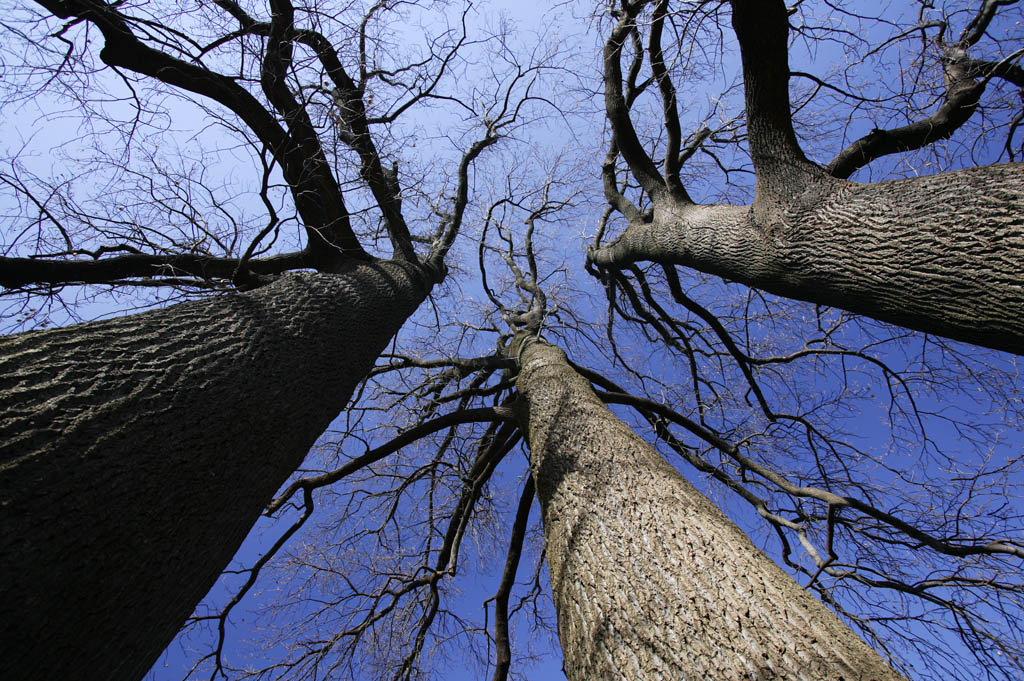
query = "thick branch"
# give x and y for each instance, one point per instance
(961, 101)
(980, 22)
(940, 254)
(612, 194)
(317, 196)
(1006, 69)
(503, 652)
(762, 28)
(669, 104)
(617, 109)
(21, 272)
(352, 112)
(965, 79)
(454, 221)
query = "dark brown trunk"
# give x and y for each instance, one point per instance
(941, 254)
(136, 453)
(650, 579)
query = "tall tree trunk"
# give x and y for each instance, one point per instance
(136, 453)
(941, 254)
(650, 579)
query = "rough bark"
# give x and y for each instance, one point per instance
(136, 453)
(941, 254)
(650, 579)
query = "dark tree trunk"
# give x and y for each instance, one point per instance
(136, 453)
(943, 254)
(651, 580)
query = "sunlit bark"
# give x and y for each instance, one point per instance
(651, 580)
(941, 254)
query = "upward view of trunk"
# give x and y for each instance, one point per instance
(136, 453)
(941, 254)
(650, 579)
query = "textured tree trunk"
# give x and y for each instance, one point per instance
(651, 580)
(136, 453)
(943, 254)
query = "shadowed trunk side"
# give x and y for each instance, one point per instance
(136, 454)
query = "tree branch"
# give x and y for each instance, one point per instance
(669, 105)
(316, 193)
(374, 455)
(762, 28)
(451, 230)
(617, 108)
(503, 650)
(21, 272)
(965, 82)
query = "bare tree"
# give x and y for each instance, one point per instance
(139, 451)
(792, 240)
(649, 578)
(910, 537)
(645, 573)
(939, 253)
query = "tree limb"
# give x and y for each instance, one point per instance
(374, 455)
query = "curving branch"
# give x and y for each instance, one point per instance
(374, 455)
(617, 106)
(16, 273)
(348, 96)
(669, 104)
(453, 221)
(317, 195)
(965, 82)
(503, 649)
(1005, 69)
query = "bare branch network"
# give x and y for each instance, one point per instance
(334, 352)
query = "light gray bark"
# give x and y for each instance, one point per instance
(136, 453)
(650, 579)
(943, 254)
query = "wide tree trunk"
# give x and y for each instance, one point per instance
(943, 254)
(136, 453)
(650, 579)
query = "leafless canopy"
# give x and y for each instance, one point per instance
(220, 145)
(880, 466)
